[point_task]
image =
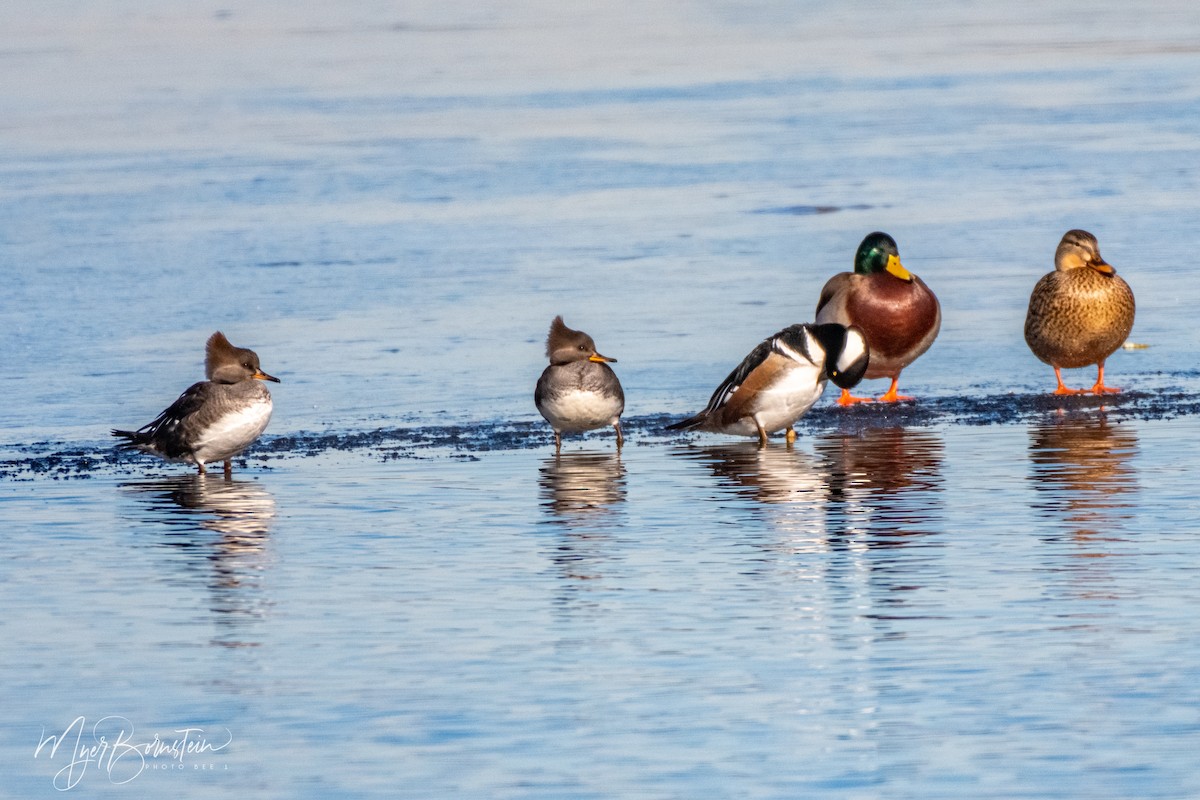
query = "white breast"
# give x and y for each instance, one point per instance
(232, 433)
(579, 410)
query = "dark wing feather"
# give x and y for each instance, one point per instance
(158, 432)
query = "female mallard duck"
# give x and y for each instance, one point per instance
(895, 310)
(1080, 313)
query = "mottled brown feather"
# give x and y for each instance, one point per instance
(1078, 317)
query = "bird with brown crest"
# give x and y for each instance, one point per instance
(213, 420)
(578, 391)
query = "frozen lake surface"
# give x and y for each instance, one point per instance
(403, 592)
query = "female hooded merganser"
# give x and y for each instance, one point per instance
(578, 391)
(213, 420)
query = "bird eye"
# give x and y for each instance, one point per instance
(583, 347)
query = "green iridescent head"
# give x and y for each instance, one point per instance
(878, 253)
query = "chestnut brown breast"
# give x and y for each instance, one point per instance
(900, 320)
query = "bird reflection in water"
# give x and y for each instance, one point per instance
(885, 492)
(874, 486)
(582, 487)
(884, 483)
(837, 516)
(222, 528)
(1080, 468)
(582, 494)
(790, 484)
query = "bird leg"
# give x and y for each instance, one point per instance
(848, 400)
(1100, 388)
(228, 468)
(620, 438)
(762, 434)
(1062, 389)
(892, 396)
(791, 434)
(201, 467)
(557, 442)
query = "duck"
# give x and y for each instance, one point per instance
(780, 380)
(578, 391)
(1080, 313)
(895, 310)
(213, 420)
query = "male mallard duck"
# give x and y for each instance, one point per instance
(578, 391)
(894, 308)
(1080, 313)
(781, 379)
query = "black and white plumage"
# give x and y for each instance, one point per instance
(213, 420)
(781, 379)
(578, 391)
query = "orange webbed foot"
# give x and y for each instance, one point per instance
(848, 399)
(893, 396)
(1099, 387)
(1062, 388)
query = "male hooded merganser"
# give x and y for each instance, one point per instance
(213, 420)
(781, 379)
(894, 308)
(578, 391)
(1080, 313)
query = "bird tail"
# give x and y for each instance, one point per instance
(689, 424)
(136, 439)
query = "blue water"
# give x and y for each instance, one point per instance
(390, 203)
